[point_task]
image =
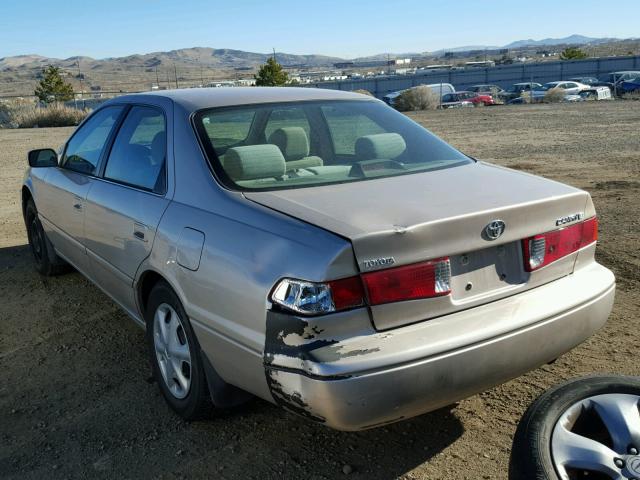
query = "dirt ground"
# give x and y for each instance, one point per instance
(75, 396)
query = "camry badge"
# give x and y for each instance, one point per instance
(568, 219)
(494, 229)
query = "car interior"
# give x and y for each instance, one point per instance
(296, 145)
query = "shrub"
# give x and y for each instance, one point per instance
(554, 95)
(363, 92)
(526, 96)
(55, 115)
(417, 98)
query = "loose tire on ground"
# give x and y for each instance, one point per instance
(532, 456)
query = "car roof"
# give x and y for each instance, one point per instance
(197, 98)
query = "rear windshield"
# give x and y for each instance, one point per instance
(303, 144)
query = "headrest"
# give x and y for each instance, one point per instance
(292, 141)
(381, 146)
(254, 161)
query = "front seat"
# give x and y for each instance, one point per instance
(294, 145)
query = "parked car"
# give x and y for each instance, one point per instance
(466, 99)
(315, 248)
(516, 90)
(584, 428)
(597, 93)
(438, 88)
(493, 90)
(630, 85)
(616, 80)
(591, 81)
(569, 88)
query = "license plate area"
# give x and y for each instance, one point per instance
(487, 272)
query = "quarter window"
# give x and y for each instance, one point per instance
(228, 128)
(139, 150)
(85, 147)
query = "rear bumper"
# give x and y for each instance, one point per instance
(375, 378)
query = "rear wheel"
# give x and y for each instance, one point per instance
(175, 355)
(585, 428)
(45, 259)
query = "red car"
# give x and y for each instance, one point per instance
(464, 99)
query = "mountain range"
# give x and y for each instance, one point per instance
(227, 59)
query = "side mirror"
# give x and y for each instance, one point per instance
(44, 157)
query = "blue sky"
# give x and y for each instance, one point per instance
(340, 28)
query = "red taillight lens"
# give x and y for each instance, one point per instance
(541, 250)
(347, 293)
(421, 280)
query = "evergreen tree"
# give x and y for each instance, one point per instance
(572, 53)
(271, 74)
(52, 87)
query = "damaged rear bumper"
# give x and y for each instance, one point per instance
(338, 371)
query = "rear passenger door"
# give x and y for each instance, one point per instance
(124, 207)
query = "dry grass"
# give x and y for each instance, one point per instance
(417, 98)
(31, 116)
(363, 92)
(555, 95)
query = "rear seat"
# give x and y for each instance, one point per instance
(294, 145)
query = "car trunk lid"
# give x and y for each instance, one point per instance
(411, 218)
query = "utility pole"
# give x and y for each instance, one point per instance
(274, 55)
(80, 78)
(175, 74)
(157, 78)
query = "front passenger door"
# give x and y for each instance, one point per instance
(124, 207)
(61, 197)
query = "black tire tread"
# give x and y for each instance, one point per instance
(197, 404)
(530, 455)
(51, 264)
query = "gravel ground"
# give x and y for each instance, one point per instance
(75, 395)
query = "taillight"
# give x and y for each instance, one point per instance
(311, 298)
(541, 250)
(410, 282)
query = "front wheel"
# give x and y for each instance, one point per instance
(46, 261)
(175, 354)
(585, 428)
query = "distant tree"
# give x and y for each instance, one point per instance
(271, 74)
(572, 53)
(52, 87)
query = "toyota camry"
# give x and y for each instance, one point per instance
(316, 249)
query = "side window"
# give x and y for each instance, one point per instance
(85, 147)
(346, 127)
(286, 117)
(138, 154)
(228, 128)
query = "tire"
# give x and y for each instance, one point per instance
(532, 456)
(46, 261)
(171, 370)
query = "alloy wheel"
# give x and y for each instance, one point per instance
(599, 435)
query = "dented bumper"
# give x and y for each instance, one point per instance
(339, 371)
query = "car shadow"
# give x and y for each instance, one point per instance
(80, 404)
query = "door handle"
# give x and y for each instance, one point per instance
(78, 203)
(139, 231)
